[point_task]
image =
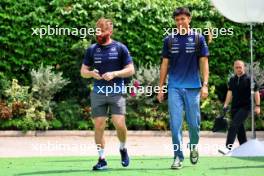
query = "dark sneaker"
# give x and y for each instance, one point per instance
(101, 165)
(124, 157)
(177, 163)
(194, 156)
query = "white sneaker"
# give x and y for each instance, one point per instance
(224, 150)
(177, 164)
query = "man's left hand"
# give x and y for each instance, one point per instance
(204, 92)
(257, 110)
(108, 76)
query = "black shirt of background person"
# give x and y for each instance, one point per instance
(240, 87)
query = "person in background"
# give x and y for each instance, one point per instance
(239, 88)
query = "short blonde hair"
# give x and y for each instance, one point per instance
(239, 61)
(104, 24)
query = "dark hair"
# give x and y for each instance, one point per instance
(181, 11)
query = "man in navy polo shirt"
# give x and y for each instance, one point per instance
(112, 63)
(185, 54)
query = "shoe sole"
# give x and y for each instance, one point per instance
(101, 168)
(124, 165)
(223, 153)
(176, 168)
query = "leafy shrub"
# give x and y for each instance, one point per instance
(143, 110)
(68, 113)
(211, 107)
(258, 72)
(18, 109)
(4, 83)
(143, 83)
(33, 106)
(17, 92)
(45, 84)
(55, 124)
(5, 111)
(85, 125)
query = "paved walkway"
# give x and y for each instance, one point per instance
(138, 145)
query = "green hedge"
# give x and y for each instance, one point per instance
(138, 23)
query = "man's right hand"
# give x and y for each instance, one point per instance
(225, 109)
(160, 96)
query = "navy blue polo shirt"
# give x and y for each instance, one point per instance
(112, 57)
(183, 59)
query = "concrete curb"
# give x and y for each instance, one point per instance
(260, 134)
